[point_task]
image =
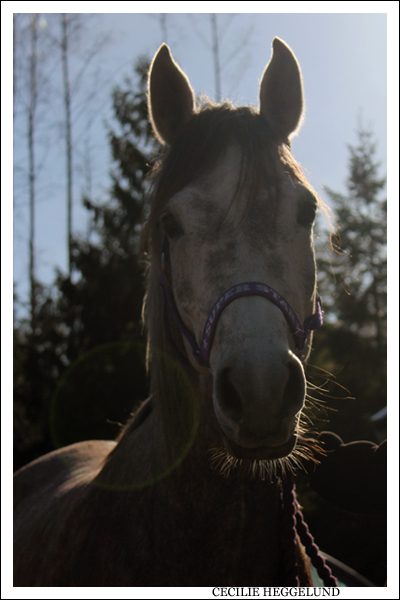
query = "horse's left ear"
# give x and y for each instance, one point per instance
(281, 92)
(171, 98)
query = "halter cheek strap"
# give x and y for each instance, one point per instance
(249, 288)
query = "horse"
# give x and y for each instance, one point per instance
(190, 494)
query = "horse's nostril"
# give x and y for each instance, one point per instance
(259, 400)
(228, 396)
(293, 397)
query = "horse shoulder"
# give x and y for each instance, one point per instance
(53, 469)
(68, 500)
(47, 494)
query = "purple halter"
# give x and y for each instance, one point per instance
(249, 288)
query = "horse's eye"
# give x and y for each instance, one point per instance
(306, 210)
(171, 226)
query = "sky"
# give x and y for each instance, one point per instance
(343, 61)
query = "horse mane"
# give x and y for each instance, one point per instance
(198, 147)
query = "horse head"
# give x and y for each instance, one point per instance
(234, 209)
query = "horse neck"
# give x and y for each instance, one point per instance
(163, 432)
(173, 471)
(186, 421)
(231, 511)
(183, 415)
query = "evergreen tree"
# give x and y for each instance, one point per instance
(101, 304)
(37, 365)
(352, 282)
(84, 364)
(349, 352)
(358, 277)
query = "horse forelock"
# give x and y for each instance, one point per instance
(198, 148)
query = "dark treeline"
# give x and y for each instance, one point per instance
(79, 361)
(348, 362)
(79, 372)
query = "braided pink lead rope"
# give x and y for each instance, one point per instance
(293, 521)
(289, 505)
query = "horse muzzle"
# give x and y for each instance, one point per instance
(258, 406)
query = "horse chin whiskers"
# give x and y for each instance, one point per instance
(306, 449)
(223, 461)
(265, 470)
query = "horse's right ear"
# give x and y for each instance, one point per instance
(171, 98)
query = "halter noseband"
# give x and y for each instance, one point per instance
(249, 288)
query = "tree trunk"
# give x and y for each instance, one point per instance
(215, 49)
(32, 174)
(68, 133)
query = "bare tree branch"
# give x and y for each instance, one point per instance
(228, 22)
(239, 48)
(218, 32)
(198, 32)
